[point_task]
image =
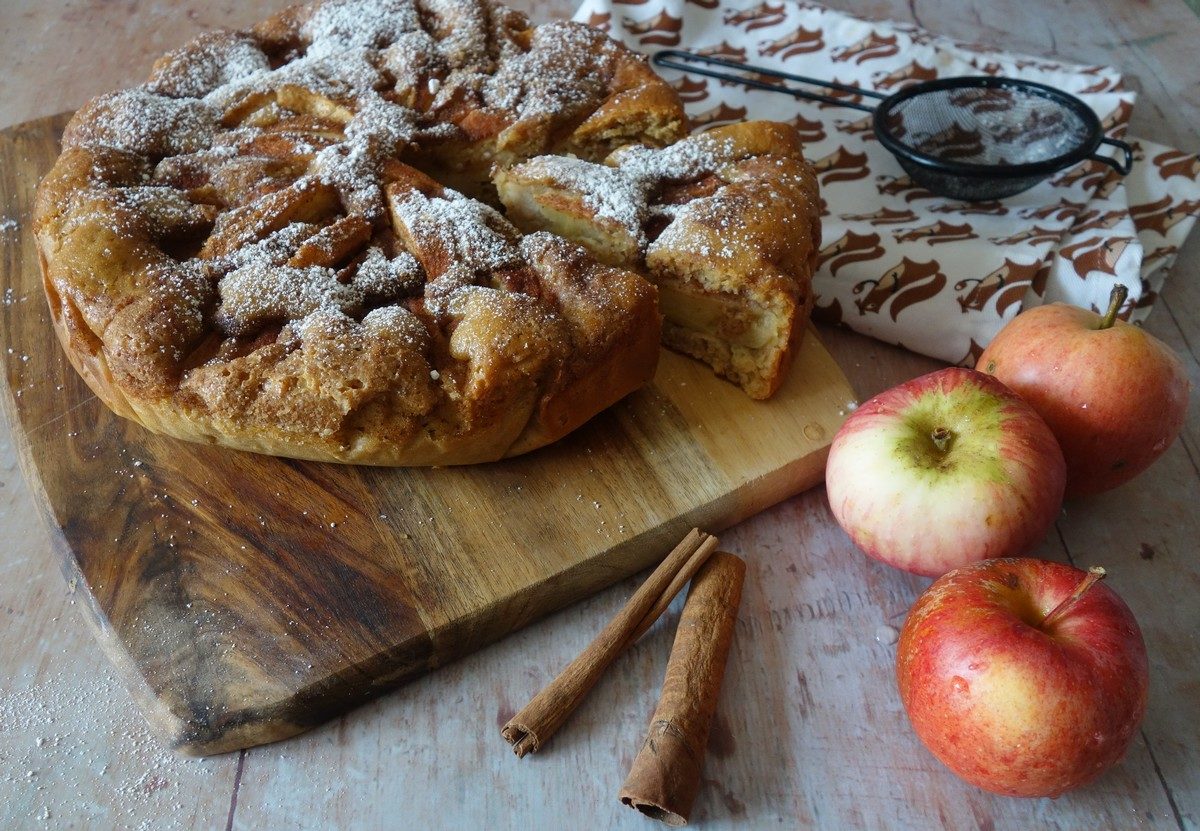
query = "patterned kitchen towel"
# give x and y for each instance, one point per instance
(937, 276)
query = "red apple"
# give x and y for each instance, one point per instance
(1114, 395)
(1022, 676)
(944, 470)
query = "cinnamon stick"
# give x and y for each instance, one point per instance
(538, 720)
(665, 775)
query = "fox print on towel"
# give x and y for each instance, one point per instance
(758, 17)
(842, 165)
(691, 90)
(1164, 214)
(1006, 285)
(1177, 163)
(937, 232)
(717, 116)
(873, 47)
(849, 248)
(904, 284)
(660, 30)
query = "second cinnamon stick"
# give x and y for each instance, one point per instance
(665, 775)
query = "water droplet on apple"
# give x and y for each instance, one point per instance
(886, 635)
(959, 684)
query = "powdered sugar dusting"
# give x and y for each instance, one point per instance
(140, 121)
(453, 228)
(351, 168)
(625, 193)
(339, 25)
(272, 250)
(210, 61)
(129, 779)
(388, 125)
(610, 193)
(558, 76)
(377, 131)
(688, 159)
(379, 277)
(168, 210)
(255, 294)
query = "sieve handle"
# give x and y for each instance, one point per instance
(1122, 165)
(687, 62)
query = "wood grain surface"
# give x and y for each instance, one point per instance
(809, 732)
(246, 598)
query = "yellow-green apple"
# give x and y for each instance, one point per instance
(1114, 395)
(944, 470)
(1023, 676)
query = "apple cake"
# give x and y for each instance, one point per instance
(289, 239)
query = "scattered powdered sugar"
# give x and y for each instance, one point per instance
(138, 120)
(341, 75)
(338, 77)
(396, 319)
(389, 126)
(351, 168)
(463, 231)
(560, 75)
(688, 159)
(8, 224)
(78, 753)
(378, 130)
(169, 209)
(680, 234)
(464, 29)
(257, 293)
(340, 25)
(191, 165)
(261, 289)
(625, 193)
(610, 193)
(411, 58)
(379, 277)
(211, 60)
(331, 328)
(272, 250)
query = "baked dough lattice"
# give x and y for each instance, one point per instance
(287, 240)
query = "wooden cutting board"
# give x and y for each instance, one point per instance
(247, 598)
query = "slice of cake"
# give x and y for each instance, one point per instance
(727, 224)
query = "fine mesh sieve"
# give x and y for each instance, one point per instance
(970, 138)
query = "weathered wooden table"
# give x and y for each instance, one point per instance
(810, 732)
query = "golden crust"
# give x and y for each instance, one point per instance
(238, 253)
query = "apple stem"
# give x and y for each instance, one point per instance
(941, 437)
(1115, 300)
(1095, 575)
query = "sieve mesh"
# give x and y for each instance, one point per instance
(985, 125)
